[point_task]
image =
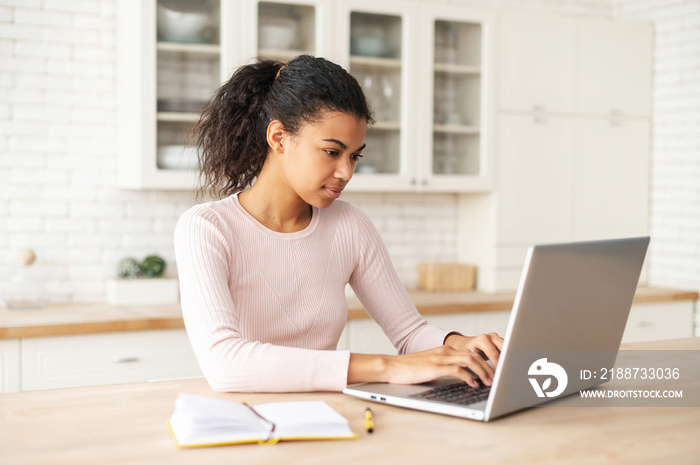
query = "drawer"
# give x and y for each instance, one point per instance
(365, 336)
(649, 322)
(106, 358)
(9, 365)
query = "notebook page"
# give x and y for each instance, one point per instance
(305, 419)
(198, 420)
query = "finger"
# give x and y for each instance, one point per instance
(491, 352)
(480, 368)
(489, 345)
(455, 363)
(465, 376)
(496, 340)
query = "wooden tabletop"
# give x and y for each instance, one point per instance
(85, 318)
(126, 424)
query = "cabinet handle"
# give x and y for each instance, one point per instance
(413, 181)
(645, 324)
(424, 182)
(118, 359)
(539, 108)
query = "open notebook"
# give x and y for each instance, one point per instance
(202, 421)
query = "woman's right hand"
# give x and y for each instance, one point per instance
(420, 367)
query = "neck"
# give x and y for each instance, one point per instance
(278, 209)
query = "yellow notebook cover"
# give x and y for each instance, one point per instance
(202, 421)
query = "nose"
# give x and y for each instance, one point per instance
(344, 168)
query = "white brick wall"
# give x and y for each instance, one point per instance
(675, 171)
(58, 158)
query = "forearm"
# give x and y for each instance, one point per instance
(418, 367)
(368, 368)
(242, 366)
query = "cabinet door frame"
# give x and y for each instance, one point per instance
(404, 180)
(137, 63)
(427, 181)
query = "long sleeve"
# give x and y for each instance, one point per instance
(382, 294)
(229, 360)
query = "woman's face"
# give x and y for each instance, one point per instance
(319, 161)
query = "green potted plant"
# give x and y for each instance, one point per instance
(142, 283)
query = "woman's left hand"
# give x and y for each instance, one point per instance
(487, 345)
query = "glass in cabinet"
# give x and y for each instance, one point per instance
(456, 98)
(170, 60)
(374, 41)
(425, 69)
(375, 61)
(457, 145)
(284, 29)
(188, 69)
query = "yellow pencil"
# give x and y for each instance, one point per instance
(369, 420)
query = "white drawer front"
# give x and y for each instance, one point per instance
(649, 322)
(9, 365)
(364, 336)
(108, 358)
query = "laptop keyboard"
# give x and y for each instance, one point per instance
(458, 393)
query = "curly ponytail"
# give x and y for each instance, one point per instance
(232, 130)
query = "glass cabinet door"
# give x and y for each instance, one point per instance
(286, 30)
(375, 61)
(456, 98)
(458, 78)
(188, 68)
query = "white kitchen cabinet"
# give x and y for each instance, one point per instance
(551, 63)
(652, 322)
(537, 62)
(164, 76)
(614, 68)
(106, 358)
(416, 145)
(566, 170)
(460, 48)
(9, 365)
(564, 179)
(535, 179)
(376, 42)
(425, 141)
(611, 178)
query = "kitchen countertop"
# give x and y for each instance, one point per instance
(85, 318)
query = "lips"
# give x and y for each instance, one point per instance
(333, 192)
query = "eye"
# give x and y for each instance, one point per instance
(356, 156)
(332, 153)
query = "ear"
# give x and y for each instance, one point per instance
(276, 136)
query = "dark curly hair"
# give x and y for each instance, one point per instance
(231, 133)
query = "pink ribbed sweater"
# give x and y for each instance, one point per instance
(264, 310)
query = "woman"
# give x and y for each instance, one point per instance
(263, 271)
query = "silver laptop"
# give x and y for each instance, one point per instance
(573, 301)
